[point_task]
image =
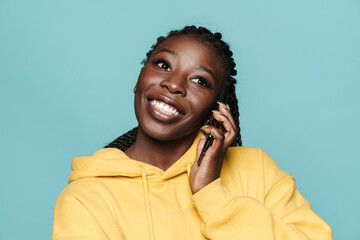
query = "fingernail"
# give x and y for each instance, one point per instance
(205, 126)
(202, 137)
(216, 112)
(227, 106)
(222, 104)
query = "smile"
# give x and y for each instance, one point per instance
(164, 108)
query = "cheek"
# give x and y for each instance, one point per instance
(147, 79)
(202, 105)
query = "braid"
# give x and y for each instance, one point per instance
(227, 94)
(234, 109)
(124, 141)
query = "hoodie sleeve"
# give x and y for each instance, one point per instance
(283, 213)
(74, 216)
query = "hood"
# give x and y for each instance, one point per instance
(112, 162)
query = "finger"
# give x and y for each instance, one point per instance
(227, 113)
(218, 136)
(230, 132)
(223, 118)
(228, 126)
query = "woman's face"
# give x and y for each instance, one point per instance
(177, 88)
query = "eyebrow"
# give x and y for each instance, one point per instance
(169, 51)
(206, 70)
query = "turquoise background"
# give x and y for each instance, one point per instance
(67, 69)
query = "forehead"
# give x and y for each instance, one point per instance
(192, 48)
(188, 42)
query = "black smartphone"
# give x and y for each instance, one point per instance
(209, 140)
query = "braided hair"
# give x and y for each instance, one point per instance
(227, 94)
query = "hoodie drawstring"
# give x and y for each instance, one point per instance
(147, 204)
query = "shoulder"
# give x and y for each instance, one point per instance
(83, 190)
(108, 153)
(247, 160)
(247, 156)
(244, 152)
(244, 157)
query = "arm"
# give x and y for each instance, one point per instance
(284, 213)
(280, 213)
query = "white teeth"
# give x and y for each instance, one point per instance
(164, 108)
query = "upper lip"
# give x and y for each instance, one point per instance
(169, 101)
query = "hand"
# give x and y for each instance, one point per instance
(210, 167)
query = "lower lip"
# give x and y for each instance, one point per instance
(163, 117)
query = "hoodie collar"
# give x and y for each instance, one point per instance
(112, 162)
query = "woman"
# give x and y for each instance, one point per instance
(148, 184)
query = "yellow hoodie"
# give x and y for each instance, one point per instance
(110, 196)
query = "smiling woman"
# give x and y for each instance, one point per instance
(147, 184)
(187, 79)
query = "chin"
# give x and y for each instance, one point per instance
(168, 134)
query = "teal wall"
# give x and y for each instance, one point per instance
(67, 69)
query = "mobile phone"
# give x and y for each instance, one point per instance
(208, 142)
(209, 139)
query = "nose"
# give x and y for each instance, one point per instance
(175, 85)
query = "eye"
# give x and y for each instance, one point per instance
(163, 64)
(201, 81)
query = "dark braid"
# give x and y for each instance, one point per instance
(124, 141)
(228, 93)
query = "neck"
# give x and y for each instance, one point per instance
(161, 154)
